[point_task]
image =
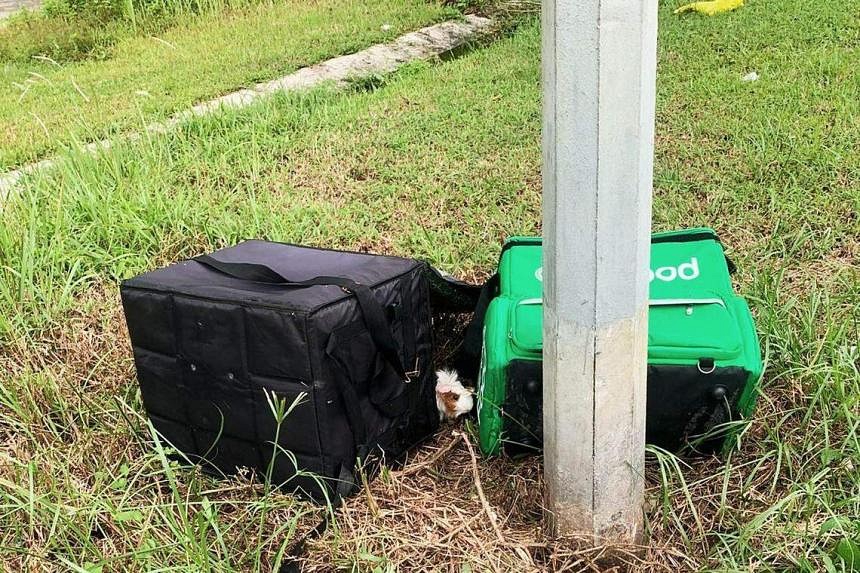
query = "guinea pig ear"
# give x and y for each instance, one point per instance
(443, 388)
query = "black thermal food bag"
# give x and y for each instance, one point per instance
(342, 341)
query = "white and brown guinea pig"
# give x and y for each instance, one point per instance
(452, 398)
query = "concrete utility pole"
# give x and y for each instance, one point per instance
(599, 68)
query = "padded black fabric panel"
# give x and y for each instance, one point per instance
(160, 384)
(177, 435)
(268, 331)
(211, 335)
(684, 404)
(300, 434)
(156, 313)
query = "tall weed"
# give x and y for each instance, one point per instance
(71, 30)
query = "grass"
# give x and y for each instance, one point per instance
(442, 161)
(71, 30)
(47, 105)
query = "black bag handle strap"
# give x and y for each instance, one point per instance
(371, 310)
(469, 359)
(351, 404)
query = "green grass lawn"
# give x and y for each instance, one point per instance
(442, 161)
(45, 106)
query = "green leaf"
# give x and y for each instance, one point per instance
(838, 523)
(147, 546)
(131, 515)
(828, 564)
(91, 567)
(119, 484)
(849, 551)
(207, 508)
(829, 455)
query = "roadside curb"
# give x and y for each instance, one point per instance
(422, 44)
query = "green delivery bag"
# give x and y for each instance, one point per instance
(704, 360)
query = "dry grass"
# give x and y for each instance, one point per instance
(430, 516)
